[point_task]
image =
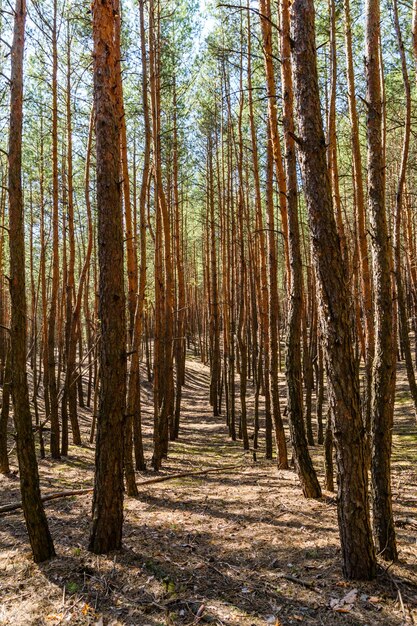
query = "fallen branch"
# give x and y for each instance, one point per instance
(8, 508)
(51, 496)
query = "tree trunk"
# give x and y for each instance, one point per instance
(36, 523)
(303, 463)
(53, 309)
(383, 383)
(399, 196)
(69, 396)
(106, 532)
(361, 222)
(333, 296)
(4, 417)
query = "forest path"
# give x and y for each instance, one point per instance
(239, 547)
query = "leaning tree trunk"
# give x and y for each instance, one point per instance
(106, 533)
(334, 302)
(305, 470)
(37, 525)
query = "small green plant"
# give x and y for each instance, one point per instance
(72, 586)
(170, 587)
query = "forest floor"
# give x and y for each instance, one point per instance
(237, 547)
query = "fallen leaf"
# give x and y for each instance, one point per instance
(345, 604)
(86, 608)
(350, 597)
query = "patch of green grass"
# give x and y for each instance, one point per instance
(72, 586)
(402, 398)
(185, 448)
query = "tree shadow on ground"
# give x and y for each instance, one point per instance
(165, 574)
(167, 571)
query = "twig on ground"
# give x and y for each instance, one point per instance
(299, 581)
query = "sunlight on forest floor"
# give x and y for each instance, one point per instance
(240, 547)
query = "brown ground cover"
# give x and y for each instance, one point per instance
(237, 547)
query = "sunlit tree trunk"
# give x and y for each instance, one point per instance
(164, 406)
(179, 345)
(69, 396)
(133, 394)
(106, 531)
(399, 201)
(266, 28)
(361, 219)
(332, 131)
(53, 308)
